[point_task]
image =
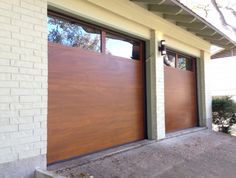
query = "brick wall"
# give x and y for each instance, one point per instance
(155, 79)
(23, 79)
(160, 95)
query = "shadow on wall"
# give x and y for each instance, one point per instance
(224, 114)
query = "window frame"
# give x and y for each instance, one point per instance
(103, 32)
(177, 54)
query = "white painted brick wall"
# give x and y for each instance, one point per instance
(23, 79)
(157, 84)
(160, 97)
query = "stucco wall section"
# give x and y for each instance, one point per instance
(23, 79)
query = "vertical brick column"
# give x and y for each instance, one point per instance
(155, 90)
(23, 79)
(160, 107)
(204, 90)
(206, 94)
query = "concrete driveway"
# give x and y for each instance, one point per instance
(200, 154)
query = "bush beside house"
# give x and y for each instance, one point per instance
(223, 114)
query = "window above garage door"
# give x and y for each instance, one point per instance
(72, 32)
(179, 61)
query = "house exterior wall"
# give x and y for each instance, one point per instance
(222, 76)
(126, 17)
(23, 86)
(23, 67)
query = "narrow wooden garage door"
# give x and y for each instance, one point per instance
(96, 99)
(180, 92)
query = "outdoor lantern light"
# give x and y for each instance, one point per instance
(162, 47)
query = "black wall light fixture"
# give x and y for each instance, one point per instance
(162, 47)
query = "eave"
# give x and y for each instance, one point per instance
(175, 12)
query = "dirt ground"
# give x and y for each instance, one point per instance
(204, 154)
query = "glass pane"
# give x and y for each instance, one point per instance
(184, 63)
(122, 47)
(71, 34)
(169, 59)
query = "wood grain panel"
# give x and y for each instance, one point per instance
(180, 99)
(96, 101)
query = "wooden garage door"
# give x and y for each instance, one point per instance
(96, 98)
(180, 92)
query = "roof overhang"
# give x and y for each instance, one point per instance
(180, 15)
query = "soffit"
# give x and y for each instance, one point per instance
(180, 15)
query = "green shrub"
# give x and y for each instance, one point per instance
(223, 104)
(223, 112)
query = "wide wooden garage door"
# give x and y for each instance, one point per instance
(180, 92)
(96, 99)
